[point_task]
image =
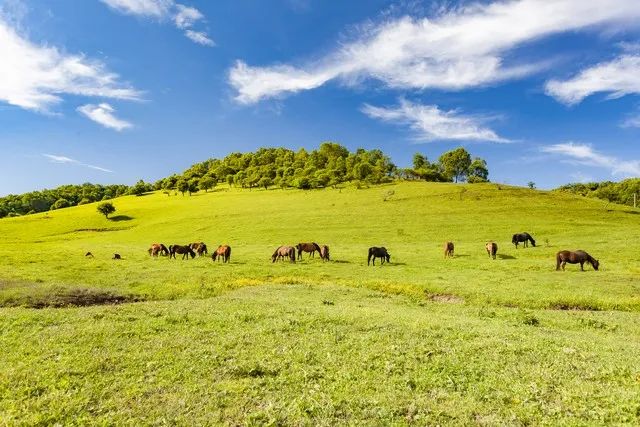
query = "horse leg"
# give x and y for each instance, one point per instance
(582, 266)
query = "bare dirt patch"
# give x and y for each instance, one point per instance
(75, 297)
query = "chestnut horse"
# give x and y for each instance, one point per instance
(492, 249)
(200, 248)
(284, 252)
(448, 249)
(179, 249)
(577, 257)
(224, 252)
(375, 252)
(158, 248)
(324, 253)
(311, 247)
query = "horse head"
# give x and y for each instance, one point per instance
(596, 264)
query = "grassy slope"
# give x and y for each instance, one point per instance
(42, 250)
(277, 353)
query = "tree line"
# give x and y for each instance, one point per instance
(329, 165)
(615, 192)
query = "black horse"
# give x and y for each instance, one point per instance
(523, 237)
(185, 250)
(577, 257)
(375, 252)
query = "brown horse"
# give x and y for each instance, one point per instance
(284, 252)
(116, 256)
(448, 249)
(158, 248)
(375, 252)
(223, 251)
(492, 249)
(577, 257)
(200, 248)
(324, 253)
(307, 247)
(185, 251)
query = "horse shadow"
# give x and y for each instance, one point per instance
(119, 218)
(461, 255)
(503, 256)
(340, 261)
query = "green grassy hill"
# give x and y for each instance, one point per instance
(422, 339)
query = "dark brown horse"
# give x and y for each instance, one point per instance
(200, 248)
(577, 257)
(284, 252)
(375, 252)
(223, 252)
(492, 249)
(116, 256)
(184, 250)
(158, 249)
(89, 254)
(523, 237)
(324, 253)
(448, 249)
(311, 247)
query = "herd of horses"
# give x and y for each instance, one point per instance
(293, 253)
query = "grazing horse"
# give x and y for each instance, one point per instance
(307, 247)
(324, 253)
(185, 250)
(523, 237)
(224, 252)
(284, 252)
(375, 252)
(577, 257)
(492, 249)
(448, 249)
(116, 256)
(158, 248)
(89, 254)
(200, 248)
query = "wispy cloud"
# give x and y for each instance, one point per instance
(617, 78)
(103, 114)
(36, 77)
(632, 120)
(183, 17)
(459, 48)
(584, 154)
(186, 16)
(199, 37)
(430, 123)
(69, 161)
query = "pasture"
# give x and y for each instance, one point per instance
(420, 339)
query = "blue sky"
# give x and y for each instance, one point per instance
(112, 91)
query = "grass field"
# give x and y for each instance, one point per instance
(422, 339)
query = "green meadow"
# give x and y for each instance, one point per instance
(420, 340)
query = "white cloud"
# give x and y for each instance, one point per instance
(186, 16)
(66, 160)
(199, 37)
(103, 114)
(632, 121)
(618, 78)
(585, 155)
(151, 8)
(430, 123)
(183, 17)
(35, 77)
(461, 48)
